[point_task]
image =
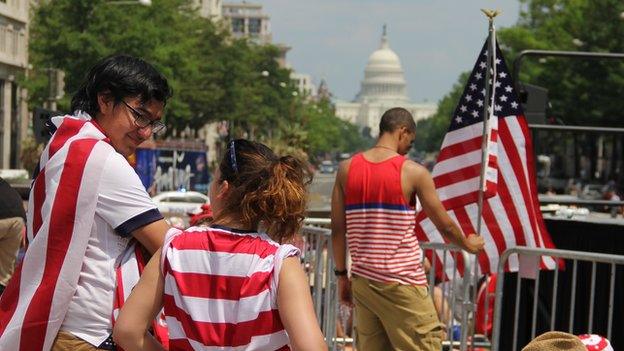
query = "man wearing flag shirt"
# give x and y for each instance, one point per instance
(85, 205)
(373, 210)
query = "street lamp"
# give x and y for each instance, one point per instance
(124, 2)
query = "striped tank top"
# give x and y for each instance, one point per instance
(380, 223)
(220, 289)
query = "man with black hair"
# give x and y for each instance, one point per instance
(12, 217)
(373, 210)
(86, 205)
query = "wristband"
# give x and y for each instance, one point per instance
(340, 273)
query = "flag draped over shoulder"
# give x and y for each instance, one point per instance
(61, 209)
(128, 271)
(511, 215)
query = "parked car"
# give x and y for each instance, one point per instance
(327, 167)
(180, 202)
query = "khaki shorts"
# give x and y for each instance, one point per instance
(391, 316)
(66, 341)
(10, 238)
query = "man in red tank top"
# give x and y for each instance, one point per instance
(373, 213)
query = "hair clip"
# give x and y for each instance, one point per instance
(233, 156)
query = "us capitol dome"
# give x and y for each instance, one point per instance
(383, 87)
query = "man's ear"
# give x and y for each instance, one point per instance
(106, 103)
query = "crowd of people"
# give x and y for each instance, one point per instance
(233, 280)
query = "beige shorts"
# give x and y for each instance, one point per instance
(392, 316)
(66, 341)
(11, 231)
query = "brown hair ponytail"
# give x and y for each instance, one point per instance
(265, 188)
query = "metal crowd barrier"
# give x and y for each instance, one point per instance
(317, 258)
(456, 295)
(563, 302)
(318, 262)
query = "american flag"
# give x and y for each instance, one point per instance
(511, 215)
(62, 198)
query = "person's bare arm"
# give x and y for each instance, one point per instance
(152, 235)
(339, 231)
(295, 308)
(425, 189)
(140, 309)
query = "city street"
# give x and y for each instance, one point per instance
(320, 191)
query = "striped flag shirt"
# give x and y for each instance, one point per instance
(221, 289)
(34, 303)
(380, 223)
(511, 215)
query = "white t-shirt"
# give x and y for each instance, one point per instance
(123, 205)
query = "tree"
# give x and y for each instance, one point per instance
(581, 91)
(431, 131)
(214, 77)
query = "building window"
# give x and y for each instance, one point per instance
(255, 24)
(238, 25)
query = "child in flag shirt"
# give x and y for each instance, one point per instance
(228, 285)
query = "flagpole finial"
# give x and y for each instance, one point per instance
(491, 13)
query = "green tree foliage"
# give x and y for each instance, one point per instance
(581, 91)
(329, 134)
(214, 76)
(431, 131)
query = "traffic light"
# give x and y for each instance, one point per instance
(42, 125)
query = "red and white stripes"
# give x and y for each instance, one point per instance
(60, 215)
(221, 290)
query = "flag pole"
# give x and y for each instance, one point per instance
(488, 110)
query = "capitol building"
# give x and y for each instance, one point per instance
(383, 87)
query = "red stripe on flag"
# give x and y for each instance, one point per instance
(39, 192)
(180, 345)
(458, 175)
(468, 198)
(460, 148)
(518, 169)
(9, 298)
(66, 130)
(489, 219)
(61, 227)
(221, 287)
(510, 211)
(466, 225)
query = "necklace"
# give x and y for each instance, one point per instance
(384, 147)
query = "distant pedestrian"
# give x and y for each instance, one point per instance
(12, 217)
(373, 210)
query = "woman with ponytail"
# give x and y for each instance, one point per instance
(233, 284)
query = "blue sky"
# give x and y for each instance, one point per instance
(435, 39)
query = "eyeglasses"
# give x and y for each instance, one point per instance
(141, 121)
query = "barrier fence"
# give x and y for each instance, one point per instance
(456, 296)
(578, 297)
